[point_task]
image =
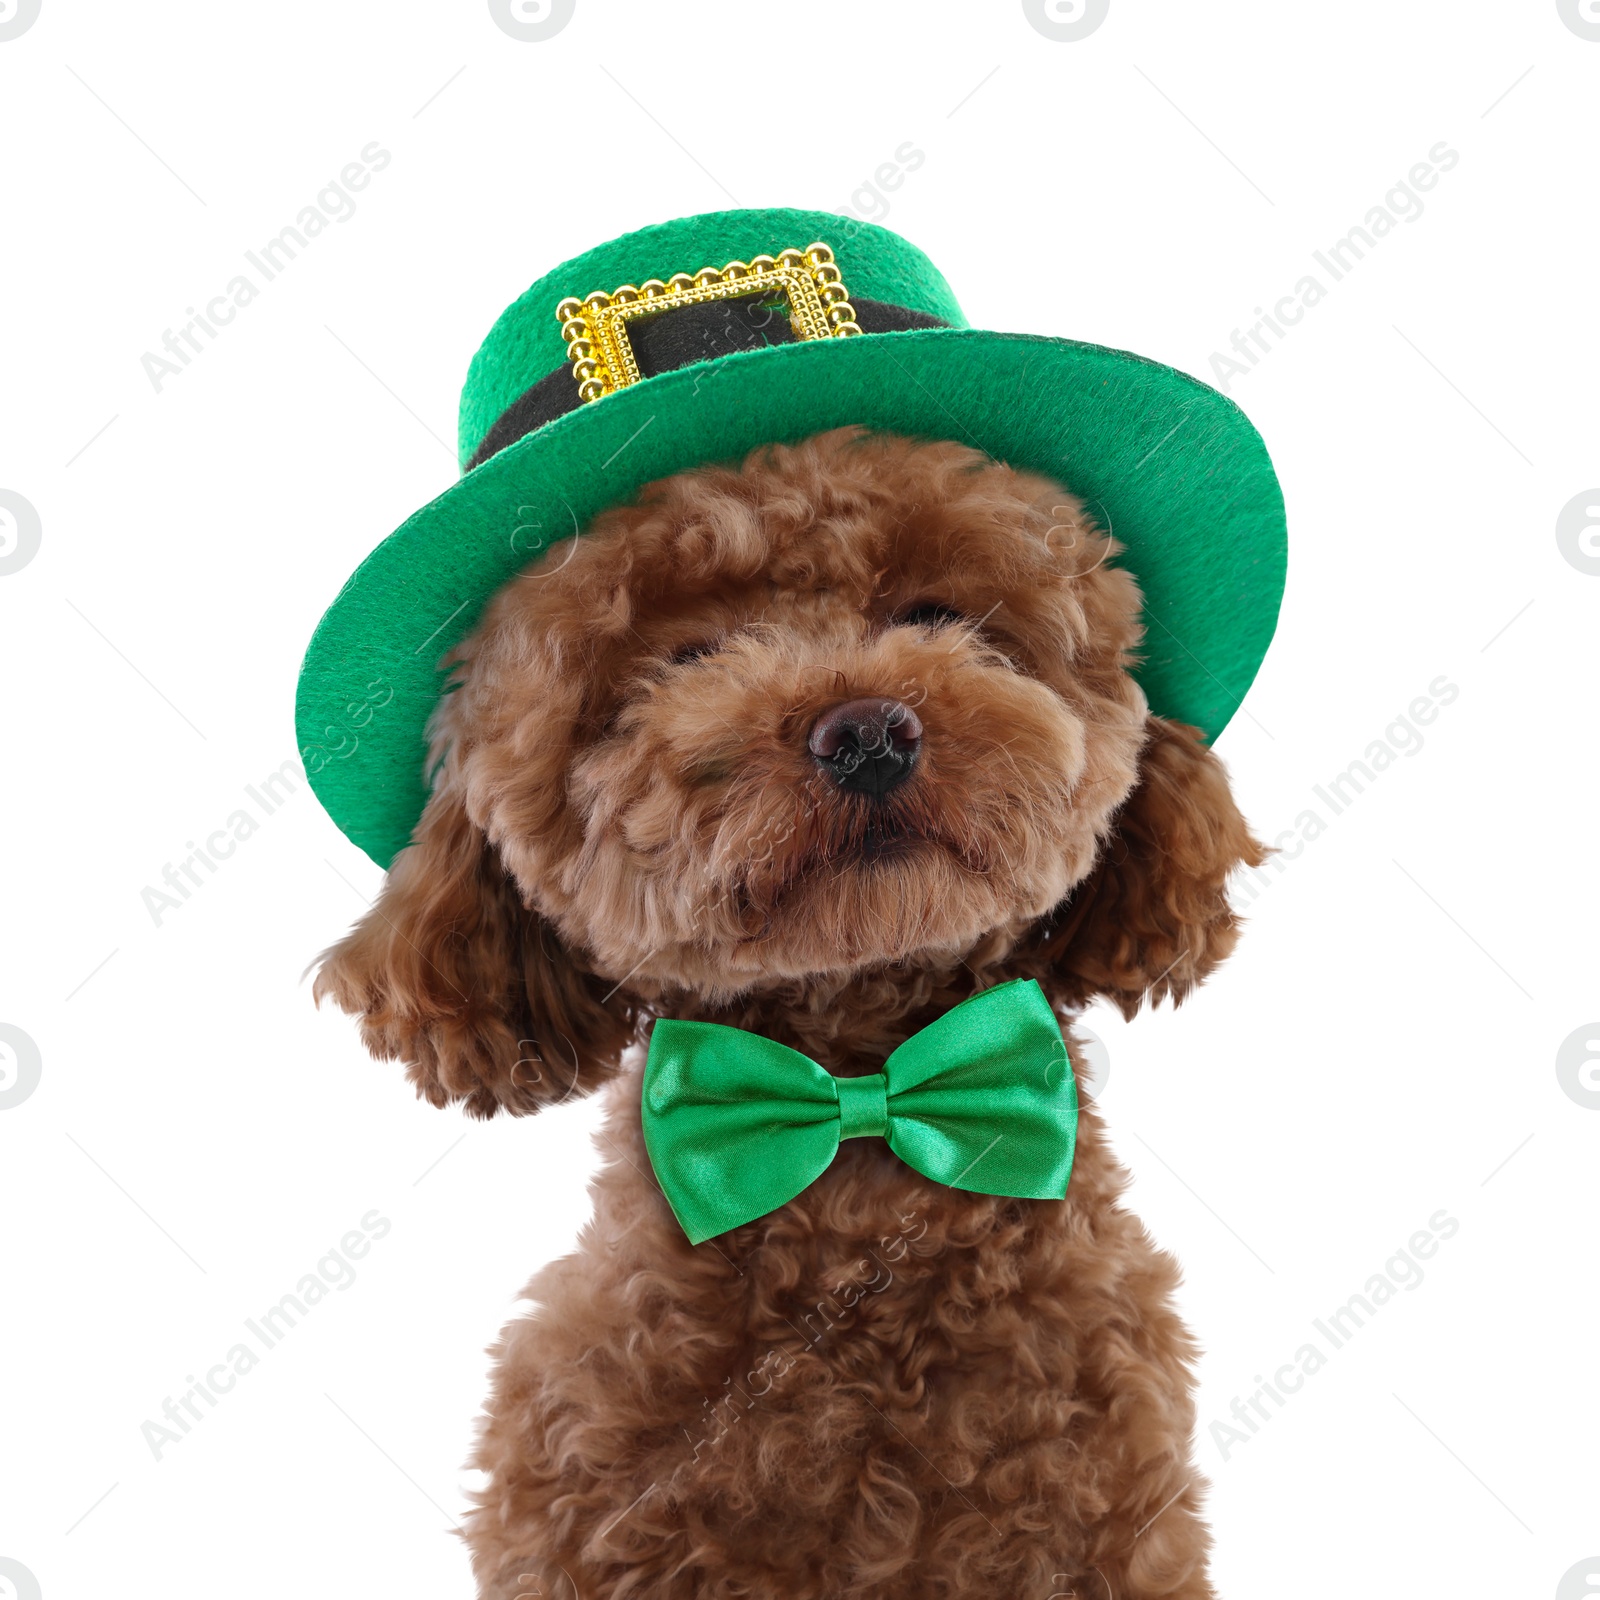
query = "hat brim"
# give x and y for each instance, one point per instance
(1173, 469)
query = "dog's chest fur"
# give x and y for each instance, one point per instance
(883, 1369)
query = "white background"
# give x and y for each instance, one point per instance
(1383, 1046)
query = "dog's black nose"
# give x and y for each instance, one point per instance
(867, 746)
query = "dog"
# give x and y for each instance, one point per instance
(817, 744)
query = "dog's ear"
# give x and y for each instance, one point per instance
(1152, 918)
(450, 973)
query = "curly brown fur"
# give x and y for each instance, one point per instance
(885, 1389)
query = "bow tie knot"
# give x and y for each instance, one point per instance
(983, 1099)
(863, 1106)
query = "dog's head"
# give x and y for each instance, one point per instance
(855, 716)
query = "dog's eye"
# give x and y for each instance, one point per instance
(929, 614)
(685, 653)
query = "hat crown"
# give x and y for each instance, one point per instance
(525, 343)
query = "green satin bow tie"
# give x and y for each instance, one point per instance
(983, 1099)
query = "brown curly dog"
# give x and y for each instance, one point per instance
(887, 1388)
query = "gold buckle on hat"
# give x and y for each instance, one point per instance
(596, 327)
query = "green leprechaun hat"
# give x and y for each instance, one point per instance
(803, 320)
